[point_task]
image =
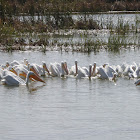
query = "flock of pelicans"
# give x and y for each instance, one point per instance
(21, 73)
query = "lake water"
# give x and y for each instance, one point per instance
(70, 109)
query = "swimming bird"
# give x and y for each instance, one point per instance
(14, 62)
(45, 68)
(84, 72)
(128, 71)
(57, 69)
(94, 70)
(74, 69)
(119, 70)
(9, 78)
(106, 73)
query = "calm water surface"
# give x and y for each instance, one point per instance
(70, 109)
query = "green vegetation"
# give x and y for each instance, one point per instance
(35, 23)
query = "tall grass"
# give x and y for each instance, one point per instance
(51, 15)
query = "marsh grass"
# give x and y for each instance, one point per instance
(122, 27)
(36, 31)
(115, 43)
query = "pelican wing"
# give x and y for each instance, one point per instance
(12, 79)
(103, 74)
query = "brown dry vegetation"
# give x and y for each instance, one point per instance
(60, 10)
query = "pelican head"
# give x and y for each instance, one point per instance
(31, 74)
(33, 70)
(22, 74)
(75, 62)
(7, 64)
(66, 67)
(76, 67)
(12, 70)
(106, 64)
(137, 82)
(26, 62)
(63, 68)
(90, 66)
(114, 76)
(45, 67)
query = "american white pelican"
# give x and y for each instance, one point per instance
(57, 69)
(136, 73)
(94, 70)
(110, 71)
(84, 72)
(45, 68)
(7, 64)
(10, 68)
(34, 69)
(102, 72)
(124, 65)
(39, 69)
(119, 70)
(90, 73)
(74, 69)
(15, 62)
(128, 71)
(66, 68)
(81, 73)
(106, 73)
(11, 79)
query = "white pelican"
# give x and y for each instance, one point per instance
(15, 62)
(136, 73)
(119, 70)
(56, 69)
(124, 65)
(34, 69)
(84, 72)
(39, 69)
(7, 64)
(80, 72)
(95, 70)
(110, 71)
(128, 71)
(10, 68)
(45, 68)
(106, 73)
(66, 68)
(74, 69)
(11, 79)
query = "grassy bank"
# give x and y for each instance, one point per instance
(46, 34)
(35, 22)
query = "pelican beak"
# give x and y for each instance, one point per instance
(37, 78)
(32, 69)
(66, 69)
(12, 70)
(44, 66)
(23, 74)
(138, 84)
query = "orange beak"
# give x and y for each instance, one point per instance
(14, 71)
(46, 69)
(36, 78)
(138, 84)
(32, 69)
(23, 74)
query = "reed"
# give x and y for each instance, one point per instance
(43, 17)
(122, 27)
